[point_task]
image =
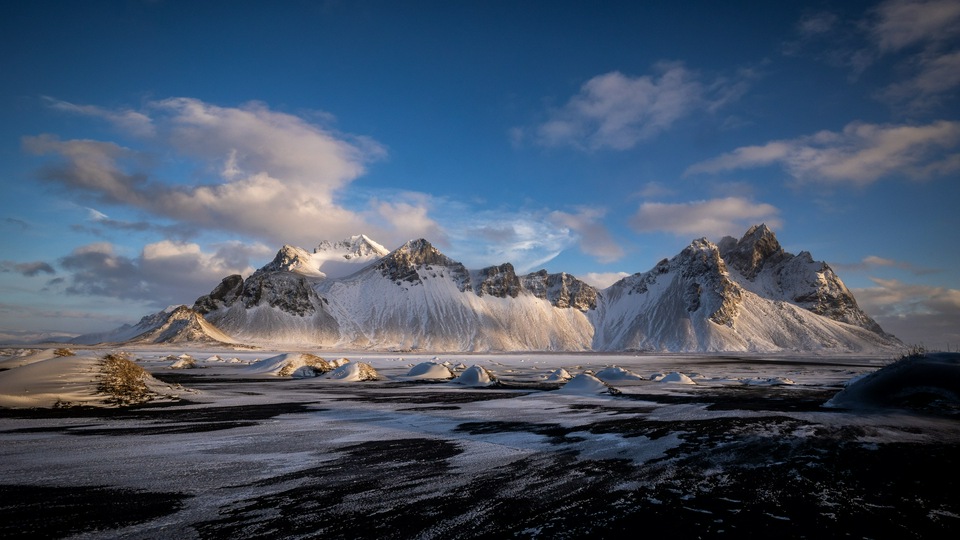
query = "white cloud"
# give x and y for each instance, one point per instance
(269, 175)
(930, 28)
(711, 218)
(937, 75)
(618, 111)
(901, 23)
(525, 238)
(860, 154)
(594, 238)
(127, 120)
(602, 280)
(652, 190)
(917, 314)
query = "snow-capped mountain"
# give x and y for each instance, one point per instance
(746, 295)
(416, 297)
(737, 295)
(329, 259)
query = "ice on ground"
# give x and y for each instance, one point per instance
(771, 381)
(476, 376)
(616, 373)
(430, 370)
(283, 365)
(354, 372)
(586, 384)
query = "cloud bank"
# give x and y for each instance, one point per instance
(860, 154)
(918, 314)
(164, 273)
(710, 218)
(255, 172)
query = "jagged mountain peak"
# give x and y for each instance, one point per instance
(756, 249)
(291, 259)
(405, 264)
(358, 245)
(418, 252)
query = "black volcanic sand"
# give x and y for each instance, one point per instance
(762, 474)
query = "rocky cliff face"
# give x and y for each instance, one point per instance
(767, 270)
(500, 281)
(418, 260)
(562, 290)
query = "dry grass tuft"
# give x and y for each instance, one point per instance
(123, 381)
(64, 352)
(318, 364)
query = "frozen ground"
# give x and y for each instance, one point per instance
(747, 451)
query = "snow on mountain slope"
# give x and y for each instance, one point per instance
(761, 266)
(329, 259)
(272, 307)
(695, 302)
(417, 298)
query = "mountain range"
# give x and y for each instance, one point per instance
(744, 294)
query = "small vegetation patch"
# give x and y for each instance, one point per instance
(64, 352)
(123, 381)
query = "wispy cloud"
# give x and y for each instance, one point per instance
(872, 262)
(127, 120)
(27, 269)
(594, 238)
(711, 218)
(860, 154)
(18, 223)
(919, 36)
(897, 24)
(618, 111)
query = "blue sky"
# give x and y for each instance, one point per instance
(149, 148)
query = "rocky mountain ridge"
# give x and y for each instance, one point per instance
(744, 294)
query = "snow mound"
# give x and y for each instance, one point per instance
(430, 370)
(283, 365)
(339, 362)
(587, 384)
(184, 363)
(924, 383)
(675, 377)
(559, 376)
(354, 372)
(476, 376)
(616, 373)
(67, 381)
